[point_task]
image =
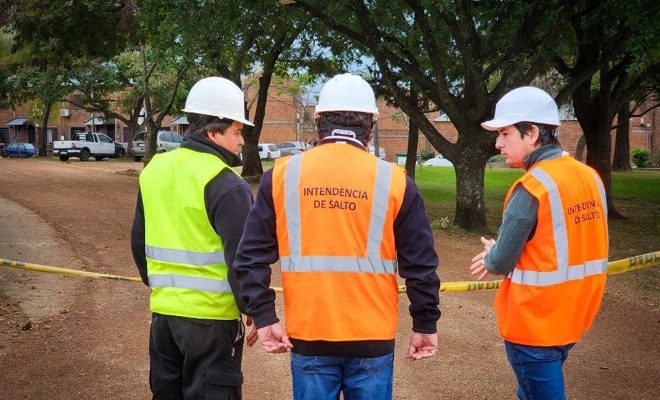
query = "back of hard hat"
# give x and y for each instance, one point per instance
(347, 92)
(218, 97)
(524, 104)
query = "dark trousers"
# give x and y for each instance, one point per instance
(195, 359)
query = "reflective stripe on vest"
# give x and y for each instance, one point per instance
(372, 263)
(564, 272)
(189, 282)
(337, 264)
(183, 256)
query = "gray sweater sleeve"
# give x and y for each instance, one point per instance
(518, 226)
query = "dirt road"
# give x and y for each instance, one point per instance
(74, 338)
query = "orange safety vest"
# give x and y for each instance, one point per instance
(552, 295)
(335, 207)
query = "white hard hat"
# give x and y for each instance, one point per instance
(524, 104)
(219, 97)
(347, 92)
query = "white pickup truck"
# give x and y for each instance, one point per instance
(89, 144)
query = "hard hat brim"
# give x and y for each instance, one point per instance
(366, 110)
(233, 118)
(241, 120)
(496, 124)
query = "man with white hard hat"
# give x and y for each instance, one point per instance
(188, 222)
(341, 222)
(552, 245)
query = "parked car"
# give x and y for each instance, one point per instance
(268, 151)
(293, 148)
(166, 141)
(86, 145)
(381, 151)
(20, 149)
(438, 161)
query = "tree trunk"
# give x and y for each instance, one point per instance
(150, 141)
(622, 146)
(252, 169)
(133, 128)
(599, 147)
(44, 129)
(579, 148)
(473, 149)
(411, 153)
(470, 205)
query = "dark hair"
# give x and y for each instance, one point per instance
(547, 133)
(199, 124)
(359, 122)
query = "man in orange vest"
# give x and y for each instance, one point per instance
(552, 245)
(341, 222)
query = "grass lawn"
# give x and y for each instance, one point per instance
(636, 196)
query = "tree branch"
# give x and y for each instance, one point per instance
(166, 109)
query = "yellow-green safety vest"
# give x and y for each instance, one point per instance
(185, 256)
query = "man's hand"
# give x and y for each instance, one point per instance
(251, 337)
(422, 345)
(478, 268)
(274, 339)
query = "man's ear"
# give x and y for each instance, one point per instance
(210, 134)
(533, 133)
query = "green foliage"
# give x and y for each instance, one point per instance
(69, 29)
(641, 157)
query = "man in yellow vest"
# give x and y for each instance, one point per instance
(552, 245)
(341, 222)
(188, 222)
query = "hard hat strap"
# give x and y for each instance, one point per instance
(346, 131)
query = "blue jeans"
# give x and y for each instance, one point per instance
(323, 377)
(539, 370)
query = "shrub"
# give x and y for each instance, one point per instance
(426, 155)
(496, 159)
(641, 157)
(442, 223)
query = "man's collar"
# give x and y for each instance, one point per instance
(200, 144)
(546, 152)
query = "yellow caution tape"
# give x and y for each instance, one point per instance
(64, 271)
(633, 263)
(613, 268)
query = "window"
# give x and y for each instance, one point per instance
(105, 139)
(272, 147)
